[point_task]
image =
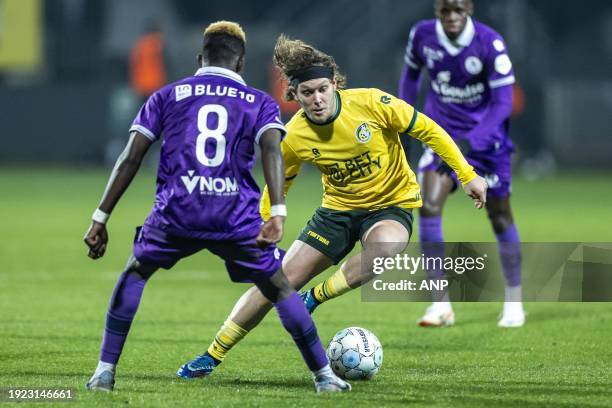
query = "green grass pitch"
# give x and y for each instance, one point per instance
(53, 300)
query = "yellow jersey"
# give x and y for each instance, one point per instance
(359, 153)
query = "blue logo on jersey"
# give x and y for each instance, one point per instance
(363, 133)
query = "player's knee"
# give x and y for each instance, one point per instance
(500, 221)
(276, 288)
(297, 276)
(298, 281)
(388, 249)
(430, 209)
(134, 266)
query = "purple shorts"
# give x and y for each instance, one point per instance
(245, 262)
(496, 168)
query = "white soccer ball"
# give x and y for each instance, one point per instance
(355, 354)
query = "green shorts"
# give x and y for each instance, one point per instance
(334, 233)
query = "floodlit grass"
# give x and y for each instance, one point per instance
(53, 300)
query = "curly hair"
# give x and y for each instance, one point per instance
(293, 55)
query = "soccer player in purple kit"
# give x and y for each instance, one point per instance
(206, 198)
(470, 96)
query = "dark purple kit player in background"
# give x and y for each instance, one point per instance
(470, 96)
(206, 197)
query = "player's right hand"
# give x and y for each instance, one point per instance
(477, 190)
(96, 239)
(271, 232)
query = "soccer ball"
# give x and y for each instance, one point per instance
(355, 354)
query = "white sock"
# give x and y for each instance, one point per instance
(440, 296)
(325, 371)
(513, 294)
(442, 305)
(513, 307)
(102, 366)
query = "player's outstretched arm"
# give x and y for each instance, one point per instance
(125, 169)
(274, 174)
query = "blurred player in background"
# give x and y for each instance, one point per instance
(206, 198)
(352, 137)
(147, 62)
(470, 96)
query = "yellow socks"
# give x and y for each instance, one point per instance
(227, 337)
(332, 287)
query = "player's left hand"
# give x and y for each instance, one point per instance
(271, 232)
(477, 190)
(96, 239)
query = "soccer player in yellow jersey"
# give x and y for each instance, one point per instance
(353, 137)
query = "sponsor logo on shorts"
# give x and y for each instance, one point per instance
(492, 180)
(318, 237)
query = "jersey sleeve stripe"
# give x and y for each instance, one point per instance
(412, 121)
(271, 126)
(146, 132)
(290, 177)
(496, 83)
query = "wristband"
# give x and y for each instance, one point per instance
(279, 209)
(100, 216)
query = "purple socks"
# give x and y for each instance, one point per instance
(299, 324)
(430, 235)
(509, 246)
(430, 229)
(123, 305)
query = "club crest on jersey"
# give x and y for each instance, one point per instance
(363, 133)
(473, 65)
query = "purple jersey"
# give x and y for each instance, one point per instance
(464, 76)
(209, 124)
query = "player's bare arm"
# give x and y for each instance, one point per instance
(123, 173)
(274, 174)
